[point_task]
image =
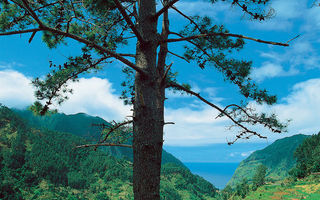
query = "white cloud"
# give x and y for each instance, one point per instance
(193, 127)
(93, 96)
(199, 127)
(301, 106)
(16, 89)
(267, 70)
(271, 70)
(300, 56)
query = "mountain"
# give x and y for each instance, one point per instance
(38, 163)
(277, 157)
(81, 124)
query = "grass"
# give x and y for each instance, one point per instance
(308, 189)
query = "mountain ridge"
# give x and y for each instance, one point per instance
(80, 124)
(277, 157)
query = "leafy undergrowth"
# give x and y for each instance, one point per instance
(308, 188)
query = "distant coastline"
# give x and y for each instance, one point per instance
(216, 173)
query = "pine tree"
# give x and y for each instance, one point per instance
(101, 26)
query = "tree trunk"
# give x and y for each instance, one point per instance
(148, 110)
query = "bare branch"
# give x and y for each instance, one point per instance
(103, 144)
(164, 46)
(185, 16)
(128, 20)
(166, 73)
(21, 32)
(293, 39)
(115, 128)
(164, 9)
(179, 56)
(32, 36)
(225, 35)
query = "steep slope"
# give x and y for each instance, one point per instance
(42, 164)
(81, 125)
(277, 157)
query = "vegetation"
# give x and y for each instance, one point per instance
(83, 125)
(101, 26)
(303, 182)
(277, 157)
(43, 164)
(259, 177)
(308, 188)
(308, 157)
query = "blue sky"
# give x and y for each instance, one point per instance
(292, 73)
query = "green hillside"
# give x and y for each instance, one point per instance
(42, 164)
(277, 157)
(308, 188)
(81, 125)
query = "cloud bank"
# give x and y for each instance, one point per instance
(193, 126)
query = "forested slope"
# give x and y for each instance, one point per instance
(277, 157)
(39, 163)
(81, 124)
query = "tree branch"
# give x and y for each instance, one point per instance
(115, 128)
(245, 129)
(21, 32)
(162, 55)
(32, 13)
(164, 9)
(98, 47)
(223, 34)
(128, 20)
(166, 73)
(179, 56)
(185, 16)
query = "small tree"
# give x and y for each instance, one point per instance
(242, 188)
(259, 177)
(102, 25)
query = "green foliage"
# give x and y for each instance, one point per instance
(227, 192)
(235, 71)
(259, 177)
(277, 157)
(242, 189)
(82, 125)
(308, 157)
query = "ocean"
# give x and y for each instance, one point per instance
(216, 173)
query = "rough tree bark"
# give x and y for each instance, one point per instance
(148, 109)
